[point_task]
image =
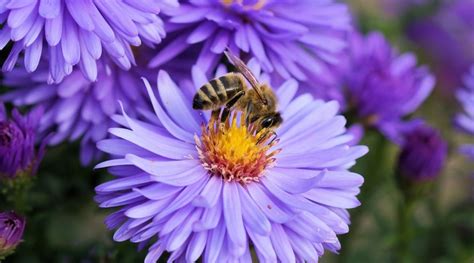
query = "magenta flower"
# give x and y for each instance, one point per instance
(199, 191)
(73, 33)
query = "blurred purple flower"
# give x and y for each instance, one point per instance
(465, 120)
(294, 38)
(383, 86)
(399, 7)
(76, 107)
(17, 143)
(423, 154)
(448, 39)
(11, 232)
(210, 192)
(75, 32)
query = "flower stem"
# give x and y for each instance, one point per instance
(405, 230)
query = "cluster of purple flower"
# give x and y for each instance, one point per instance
(194, 187)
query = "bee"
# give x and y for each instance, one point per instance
(231, 91)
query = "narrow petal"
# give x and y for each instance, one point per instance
(233, 213)
(264, 246)
(196, 246)
(210, 194)
(210, 218)
(253, 216)
(49, 8)
(282, 244)
(214, 243)
(124, 183)
(176, 104)
(181, 234)
(267, 205)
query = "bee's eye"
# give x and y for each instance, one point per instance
(267, 122)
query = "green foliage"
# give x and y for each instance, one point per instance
(63, 222)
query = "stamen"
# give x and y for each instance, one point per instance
(246, 4)
(235, 151)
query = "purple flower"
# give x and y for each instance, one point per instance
(465, 120)
(294, 38)
(423, 154)
(77, 108)
(17, 143)
(447, 38)
(211, 190)
(384, 86)
(11, 231)
(399, 7)
(76, 32)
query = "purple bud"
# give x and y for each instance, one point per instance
(423, 154)
(17, 143)
(12, 226)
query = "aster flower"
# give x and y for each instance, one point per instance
(465, 120)
(77, 108)
(294, 38)
(76, 32)
(447, 38)
(17, 143)
(383, 86)
(204, 189)
(12, 226)
(423, 154)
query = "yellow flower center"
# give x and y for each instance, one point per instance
(234, 151)
(247, 4)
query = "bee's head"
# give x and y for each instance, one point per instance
(271, 121)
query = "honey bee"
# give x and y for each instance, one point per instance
(231, 91)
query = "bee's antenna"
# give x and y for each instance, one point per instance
(244, 70)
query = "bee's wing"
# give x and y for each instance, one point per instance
(244, 70)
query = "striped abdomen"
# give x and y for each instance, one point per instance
(217, 92)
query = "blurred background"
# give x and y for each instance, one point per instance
(67, 226)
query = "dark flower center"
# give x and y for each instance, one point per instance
(9, 223)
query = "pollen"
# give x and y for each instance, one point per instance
(236, 152)
(247, 4)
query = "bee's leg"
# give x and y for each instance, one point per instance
(275, 136)
(248, 111)
(215, 115)
(265, 136)
(230, 103)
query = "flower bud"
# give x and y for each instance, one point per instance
(17, 143)
(423, 154)
(11, 231)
